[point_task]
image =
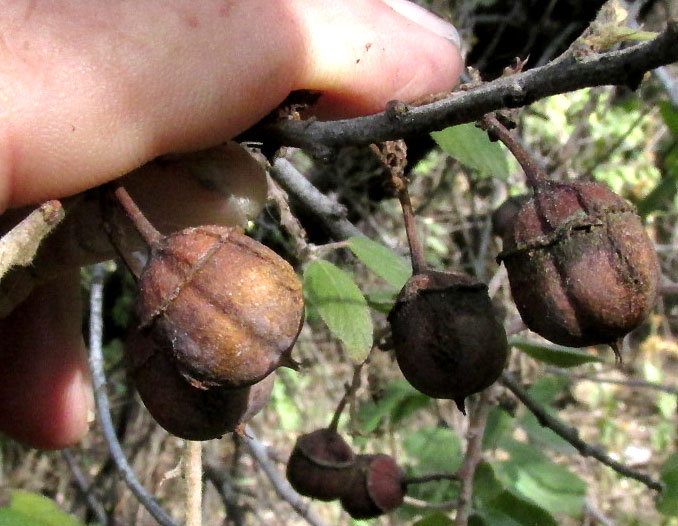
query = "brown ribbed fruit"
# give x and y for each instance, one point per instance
(321, 465)
(228, 307)
(581, 267)
(448, 342)
(378, 487)
(180, 407)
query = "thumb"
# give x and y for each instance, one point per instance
(364, 54)
(93, 90)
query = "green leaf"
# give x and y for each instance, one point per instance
(381, 261)
(499, 425)
(496, 505)
(435, 519)
(510, 509)
(435, 449)
(546, 388)
(341, 306)
(530, 473)
(666, 188)
(381, 300)
(670, 116)
(26, 508)
(543, 437)
(398, 402)
(553, 354)
(472, 147)
(668, 502)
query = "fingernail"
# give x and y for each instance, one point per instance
(426, 19)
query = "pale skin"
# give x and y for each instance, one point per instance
(92, 90)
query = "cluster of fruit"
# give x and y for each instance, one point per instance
(581, 268)
(323, 466)
(219, 312)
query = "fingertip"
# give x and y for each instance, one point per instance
(425, 18)
(367, 56)
(45, 393)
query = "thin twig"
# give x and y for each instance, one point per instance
(416, 248)
(85, 487)
(280, 484)
(96, 364)
(348, 393)
(571, 435)
(19, 245)
(235, 512)
(193, 470)
(473, 455)
(328, 211)
(627, 383)
(393, 155)
(565, 74)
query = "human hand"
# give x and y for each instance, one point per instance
(92, 91)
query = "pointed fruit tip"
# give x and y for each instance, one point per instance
(287, 361)
(616, 347)
(460, 405)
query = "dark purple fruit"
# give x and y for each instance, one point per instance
(581, 267)
(321, 465)
(229, 308)
(504, 216)
(180, 407)
(448, 342)
(378, 487)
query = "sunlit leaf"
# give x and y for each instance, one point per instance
(382, 261)
(341, 306)
(23, 508)
(472, 147)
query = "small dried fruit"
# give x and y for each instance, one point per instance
(183, 409)
(448, 342)
(378, 487)
(581, 267)
(321, 465)
(228, 307)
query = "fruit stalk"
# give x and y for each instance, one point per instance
(146, 230)
(533, 172)
(350, 391)
(416, 247)
(393, 155)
